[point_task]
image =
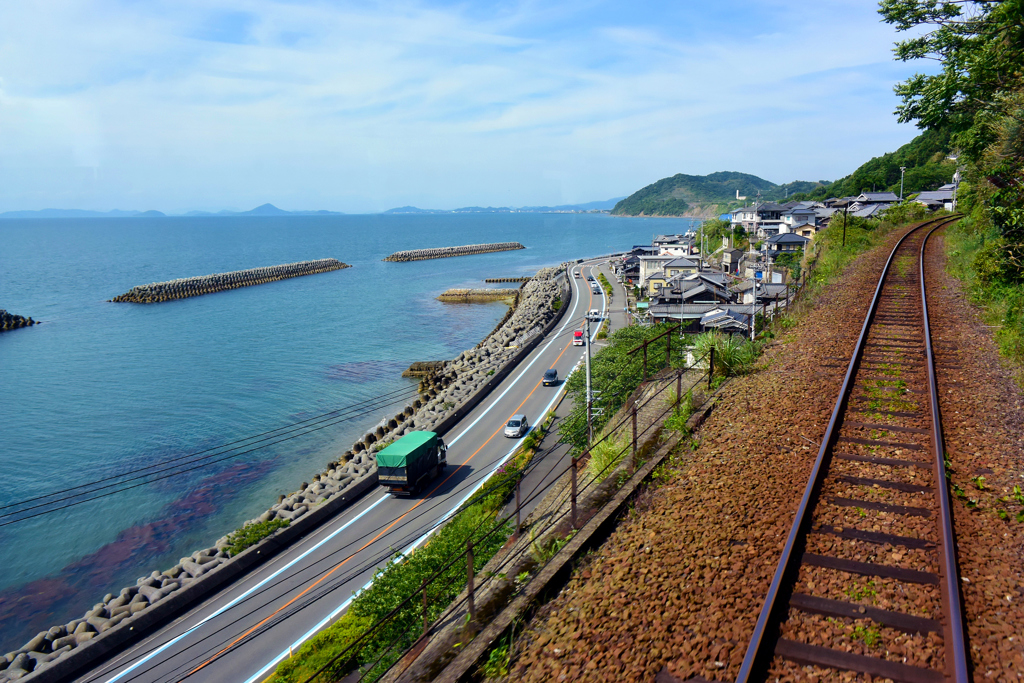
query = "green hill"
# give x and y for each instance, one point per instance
(924, 158)
(694, 194)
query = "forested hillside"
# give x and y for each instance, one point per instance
(924, 157)
(977, 102)
(682, 194)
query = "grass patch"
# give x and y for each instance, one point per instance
(252, 533)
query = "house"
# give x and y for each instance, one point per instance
(801, 214)
(731, 260)
(876, 198)
(691, 314)
(937, 199)
(651, 265)
(629, 269)
(726, 320)
(868, 210)
(758, 218)
(703, 287)
(785, 242)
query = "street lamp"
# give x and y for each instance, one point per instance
(902, 171)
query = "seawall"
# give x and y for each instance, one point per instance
(448, 393)
(208, 284)
(9, 321)
(447, 252)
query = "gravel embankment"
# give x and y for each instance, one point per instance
(680, 583)
(983, 425)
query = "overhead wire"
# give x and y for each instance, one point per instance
(338, 583)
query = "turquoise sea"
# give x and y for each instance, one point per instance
(99, 388)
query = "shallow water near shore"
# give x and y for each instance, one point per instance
(101, 388)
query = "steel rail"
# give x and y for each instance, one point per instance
(956, 641)
(760, 650)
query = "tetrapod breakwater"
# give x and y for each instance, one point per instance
(447, 252)
(9, 321)
(183, 288)
(507, 279)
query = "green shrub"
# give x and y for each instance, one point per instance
(252, 533)
(606, 455)
(321, 648)
(733, 355)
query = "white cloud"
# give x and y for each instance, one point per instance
(229, 104)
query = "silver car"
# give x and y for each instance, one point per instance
(517, 426)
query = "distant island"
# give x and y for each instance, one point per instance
(705, 195)
(589, 207)
(263, 210)
(271, 210)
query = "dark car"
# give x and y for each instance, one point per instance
(590, 277)
(550, 377)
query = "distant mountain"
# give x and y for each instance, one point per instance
(695, 195)
(80, 213)
(262, 210)
(605, 205)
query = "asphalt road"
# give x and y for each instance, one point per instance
(243, 631)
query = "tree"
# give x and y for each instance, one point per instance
(981, 48)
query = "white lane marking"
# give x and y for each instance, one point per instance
(246, 593)
(521, 374)
(300, 557)
(344, 605)
(437, 525)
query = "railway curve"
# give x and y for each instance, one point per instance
(873, 539)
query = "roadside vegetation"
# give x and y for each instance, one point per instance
(605, 285)
(977, 101)
(252, 533)
(404, 575)
(615, 374)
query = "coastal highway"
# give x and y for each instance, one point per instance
(242, 632)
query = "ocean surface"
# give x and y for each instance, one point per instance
(99, 389)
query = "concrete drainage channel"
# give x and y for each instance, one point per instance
(120, 619)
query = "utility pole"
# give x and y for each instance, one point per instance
(753, 304)
(845, 209)
(590, 397)
(902, 171)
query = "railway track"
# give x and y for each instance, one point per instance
(868, 582)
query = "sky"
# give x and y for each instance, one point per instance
(181, 105)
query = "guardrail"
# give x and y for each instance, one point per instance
(629, 454)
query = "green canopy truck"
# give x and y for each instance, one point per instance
(407, 464)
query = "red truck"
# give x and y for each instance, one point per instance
(577, 338)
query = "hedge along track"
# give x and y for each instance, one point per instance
(868, 584)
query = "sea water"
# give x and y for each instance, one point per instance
(98, 388)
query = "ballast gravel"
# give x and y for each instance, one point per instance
(678, 585)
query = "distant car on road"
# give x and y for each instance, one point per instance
(550, 377)
(576, 274)
(517, 426)
(590, 277)
(594, 314)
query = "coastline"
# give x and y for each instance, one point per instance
(443, 400)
